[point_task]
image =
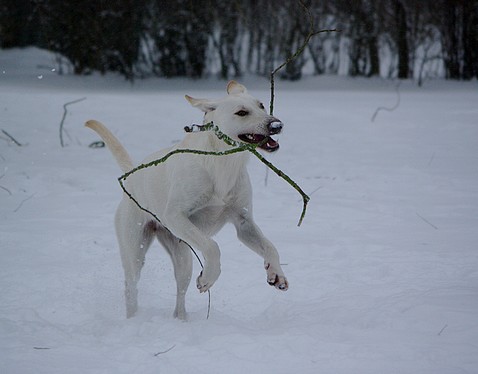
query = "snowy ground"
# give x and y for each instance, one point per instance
(383, 272)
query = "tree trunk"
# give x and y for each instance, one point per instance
(374, 58)
(470, 40)
(452, 63)
(402, 41)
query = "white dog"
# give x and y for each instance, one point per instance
(194, 196)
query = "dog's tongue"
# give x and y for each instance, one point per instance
(271, 143)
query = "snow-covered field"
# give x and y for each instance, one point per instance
(383, 271)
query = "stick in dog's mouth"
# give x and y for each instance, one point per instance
(264, 142)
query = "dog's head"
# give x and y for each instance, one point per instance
(241, 117)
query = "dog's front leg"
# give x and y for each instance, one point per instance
(250, 234)
(183, 228)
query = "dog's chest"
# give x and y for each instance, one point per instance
(213, 212)
(225, 173)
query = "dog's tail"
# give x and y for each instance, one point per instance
(119, 152)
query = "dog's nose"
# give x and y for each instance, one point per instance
(275, 127)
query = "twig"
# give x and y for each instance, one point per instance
(163, 352)
(397, 104)
(12, 138)
(427, 221)
(22, 202)
(311, 33)
(65, 111)
(41, 348)
(315, 190)
(5, 188)
(443, 329)
(431, 159)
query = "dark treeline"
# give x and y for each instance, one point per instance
(195, 38)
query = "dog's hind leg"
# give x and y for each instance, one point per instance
(182, 261)
(135, 234)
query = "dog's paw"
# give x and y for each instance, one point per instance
(276, 279)
(180, 314)
(203, 284)
(206, 279)
(279, 282)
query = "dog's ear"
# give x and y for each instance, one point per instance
(235, 88)
(202, 104)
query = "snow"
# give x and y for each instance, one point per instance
(383, 271)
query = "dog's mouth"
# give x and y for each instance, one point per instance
(264, 142)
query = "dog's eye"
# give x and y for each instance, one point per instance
(261, 106)
(242, 113)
